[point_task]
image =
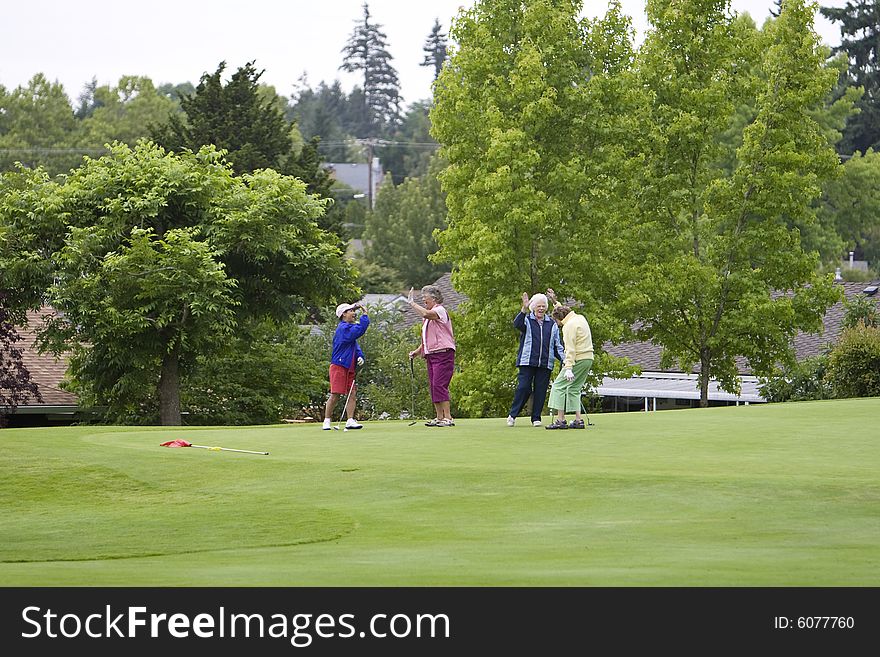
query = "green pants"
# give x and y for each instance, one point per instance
(566, 395)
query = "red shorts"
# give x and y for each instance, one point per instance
(340, 380)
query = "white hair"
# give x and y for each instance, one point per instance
(536, 299)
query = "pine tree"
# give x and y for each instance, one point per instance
(235, 117)
(435, 49)
(367, 51)
(860, 40)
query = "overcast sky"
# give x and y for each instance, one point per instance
(175, 41)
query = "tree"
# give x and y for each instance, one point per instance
(157, 259)
(124, 113)
(850, 205)
(234, 117)
(308, 167)
(16, 385)
(860, 40)
(87, 101)
(323, 113)
(38, 127)
(435, 49)
(533, 119)
(399, 233)
(411, 148)
(367, 51)
(710, 266)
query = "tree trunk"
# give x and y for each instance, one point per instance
(169, 391)
(704, 378)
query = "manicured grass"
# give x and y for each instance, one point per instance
(764, 495)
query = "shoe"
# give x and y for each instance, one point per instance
(451, 422)
(576, 424)
(511, 421)
(353, 424)
(432, 423)
(556, 424)
(326, 426)
(445, 423)
(536, 423)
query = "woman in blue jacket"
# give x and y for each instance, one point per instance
(345, 358)
(539, 347)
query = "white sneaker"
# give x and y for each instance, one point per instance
(536, 423)
(511, 421)
(353, 424)
(326, 426)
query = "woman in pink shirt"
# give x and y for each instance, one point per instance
(438, 349)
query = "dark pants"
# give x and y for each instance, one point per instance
(531, 381)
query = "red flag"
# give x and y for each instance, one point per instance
(176, 443)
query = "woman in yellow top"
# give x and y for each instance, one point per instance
(565, 393)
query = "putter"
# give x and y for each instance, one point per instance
(345, 407)
(412, 387)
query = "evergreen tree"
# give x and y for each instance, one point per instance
(367, 51)
(234, 117)
(435, 49)
(88, 103)
(860, 40)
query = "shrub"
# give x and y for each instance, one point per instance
(854, 364)
(799, 382)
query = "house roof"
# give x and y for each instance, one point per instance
(452, 299)
(45, 369)
(647, 354)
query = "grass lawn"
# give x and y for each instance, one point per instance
(761, 495)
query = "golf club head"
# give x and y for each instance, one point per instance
(335, 428)
(412, 423)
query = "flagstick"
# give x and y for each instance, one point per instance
(229, 449)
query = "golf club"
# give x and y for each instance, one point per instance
(412, 387)
(345, 407)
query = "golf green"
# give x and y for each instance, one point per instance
(760, 495)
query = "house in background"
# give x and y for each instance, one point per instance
(363, 178)
(59, 406)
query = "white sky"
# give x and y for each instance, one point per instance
(176, 41)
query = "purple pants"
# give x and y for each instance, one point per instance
(440, 367)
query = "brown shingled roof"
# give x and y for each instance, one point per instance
(647, 354)
(452, 299)
(45, 369)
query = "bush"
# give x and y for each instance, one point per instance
(269, 372)
(799, 382)
(854, 364)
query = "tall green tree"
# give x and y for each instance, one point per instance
(710, 266)
(533, 118)
(860, 40)
(38, 127)
(236, 117)
(367, 51)
(435, 49)
(156, 259)
(400, 231)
